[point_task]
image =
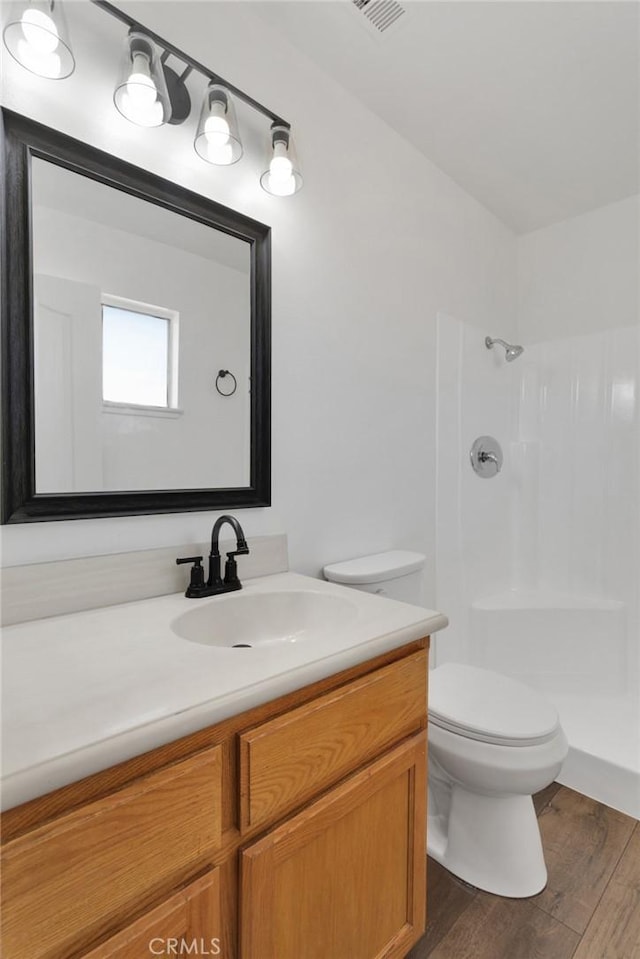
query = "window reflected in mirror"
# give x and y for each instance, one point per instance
(137, 361)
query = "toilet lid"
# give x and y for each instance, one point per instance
(480, 704)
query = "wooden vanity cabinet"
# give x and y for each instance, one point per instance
(296, 829)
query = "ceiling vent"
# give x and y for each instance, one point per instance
(381, 14)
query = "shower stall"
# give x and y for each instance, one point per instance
(537, 562)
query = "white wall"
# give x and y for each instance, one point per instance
(580, 276)
(377, 242)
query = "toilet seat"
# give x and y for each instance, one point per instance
(479, 704)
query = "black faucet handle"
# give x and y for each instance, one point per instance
(196, 580)
(231, 572)
(231, 568)
(196, 560)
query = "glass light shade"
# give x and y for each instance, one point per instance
(36, 35)
(217, 138)
(282, 177)
(141, 94)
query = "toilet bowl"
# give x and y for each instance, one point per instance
(493, 742)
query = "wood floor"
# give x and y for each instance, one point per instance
(590, 908)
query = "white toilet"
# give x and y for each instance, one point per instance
(493, 742)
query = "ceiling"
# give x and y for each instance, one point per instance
(532, 107)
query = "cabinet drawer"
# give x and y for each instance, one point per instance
(290, 759)
(190, 916)
(69, 881)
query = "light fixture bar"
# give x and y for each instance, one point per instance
(189, 61)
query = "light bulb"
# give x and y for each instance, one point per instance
(138, 99)
(219, 153)
(217, 139)
(140, 87)
(281, 168)
(38, 40)
(216, 128)
(280, 186)
(39, 31)
(43, 64)
(142, 114)
(217, 135)
(280, 178)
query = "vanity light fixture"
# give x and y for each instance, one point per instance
(149, 93)
(217, 138)
(283, 177)
(36, 35)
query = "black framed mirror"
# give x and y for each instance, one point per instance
(126, 301)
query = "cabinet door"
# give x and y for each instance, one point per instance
(69, 880)
(186, 924)
(344, 878)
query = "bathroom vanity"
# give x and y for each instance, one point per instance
(295, 827)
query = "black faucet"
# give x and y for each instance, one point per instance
(215, 584)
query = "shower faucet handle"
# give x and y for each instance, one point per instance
(486, 457)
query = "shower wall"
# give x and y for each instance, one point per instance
(538, 567)
(577, 413)
(578, 315)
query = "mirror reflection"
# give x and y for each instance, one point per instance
(136, 311)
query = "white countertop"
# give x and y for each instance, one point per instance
(85, 691)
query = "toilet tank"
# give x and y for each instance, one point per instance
(396, 574)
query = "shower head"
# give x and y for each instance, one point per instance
(511, 352)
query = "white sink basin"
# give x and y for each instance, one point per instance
(264, 619)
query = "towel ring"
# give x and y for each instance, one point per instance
(221, 375)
